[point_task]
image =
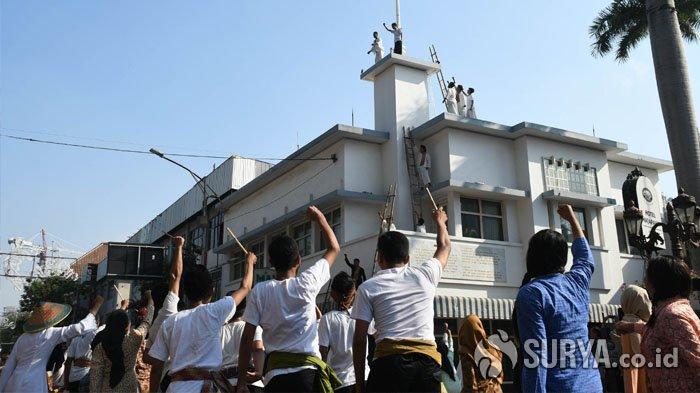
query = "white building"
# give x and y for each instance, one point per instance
(500, 184)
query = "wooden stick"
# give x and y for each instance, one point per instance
(118, 293)
(230, 232)
(431, 198)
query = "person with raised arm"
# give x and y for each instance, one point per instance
(191, 339)
(168, 308)
(398, 37)
(399, 299)
(25, 368)
(552, 312)
(285, 308)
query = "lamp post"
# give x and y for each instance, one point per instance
(201, 182)
(682, 215)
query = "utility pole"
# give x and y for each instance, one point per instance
(398, 13)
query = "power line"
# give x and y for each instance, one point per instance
(134, 151)
(34, 256)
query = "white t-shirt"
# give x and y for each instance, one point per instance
(192, 338)
(80, 348)
(335, 331)
(286, 311)
(231, 342)
(169, 308)
(398, 34)
(400, 300)
(451, 94)
(470, 102)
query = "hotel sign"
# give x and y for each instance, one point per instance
(640, 190)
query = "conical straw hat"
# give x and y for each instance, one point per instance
(46, 315)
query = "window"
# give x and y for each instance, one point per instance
(482, 219)
(302, 235)
(216, 228)
(333, 219)
(196, 238)
(259, 250)
(582, 218)
(621, 236)
(236, 263)
(570, 176)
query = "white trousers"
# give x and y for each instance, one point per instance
(424, 175)
(452, 106)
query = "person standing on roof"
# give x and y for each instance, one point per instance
(377, 47)
(451, 98)
(398, 37)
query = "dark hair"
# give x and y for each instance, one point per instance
(422, 147)
(451, 84)
(470, 90)
(160, 292)
(421, 221)
(669, 278)
(394, 24)
(546, 253)
(460, 87)
(197, 283)
(283, 252)
(446, 365)
(111, 339)
(393, 247)
(375, 32)
(342, 284)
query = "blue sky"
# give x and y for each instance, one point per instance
(222, 77)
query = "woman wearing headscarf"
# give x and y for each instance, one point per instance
(673, 330)
(636, 307)
(25, 369)
(482, 370)
(115, 350)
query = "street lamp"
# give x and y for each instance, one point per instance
(681, 227)
(201, 182)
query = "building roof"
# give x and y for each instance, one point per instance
(641, 161)
(449, 120)
(310, 150)
(393, 58)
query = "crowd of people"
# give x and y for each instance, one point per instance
(379, 337)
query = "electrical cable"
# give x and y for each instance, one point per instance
(134, 151)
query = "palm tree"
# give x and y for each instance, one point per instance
(621, 26)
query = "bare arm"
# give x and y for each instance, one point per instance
(359, 353)
(387, 29)
(247, 282)
(324, 352)
(333, 248)
(176, 267)
(443, 238)
(156, 375)
(66, 372)
(245, 348)
(258, 361)
(567, 213)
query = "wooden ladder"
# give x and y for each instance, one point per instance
(414, 180)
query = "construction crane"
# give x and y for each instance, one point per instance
(27, 260)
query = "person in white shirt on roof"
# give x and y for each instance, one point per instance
(399, 298)
(461, 100)
(285, 308)
(398, 37)
(192, 338)
(25, 368)
(451, 98)
(377, 47)
(230, 343)
(336, 331)
(168, 308)
(424, 166)
(471, 111)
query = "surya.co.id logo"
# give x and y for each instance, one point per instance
(489, 366)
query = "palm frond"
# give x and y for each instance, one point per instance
(614, 22)
(688, 12)
(629, 40)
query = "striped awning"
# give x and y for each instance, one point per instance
(488, 308)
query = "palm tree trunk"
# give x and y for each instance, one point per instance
(673, 83)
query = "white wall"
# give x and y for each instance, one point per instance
(481, 158)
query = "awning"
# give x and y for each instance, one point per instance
(488, 308)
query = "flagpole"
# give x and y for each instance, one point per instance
(398, 13)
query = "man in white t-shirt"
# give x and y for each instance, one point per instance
(424, 166)
(167, 308)
(451, 98)
(335, 333)
(399, 298)
(192, 338)
(471, 111)
(231, 334)
(78, 358)
(398, 37)
(285, 308)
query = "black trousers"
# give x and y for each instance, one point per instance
(300, 381)
(346, 389)
(398, 47)
(404, 373)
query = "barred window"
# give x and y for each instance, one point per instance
(569, 176)
(302, 235)
(482, 219)
(334, 220)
